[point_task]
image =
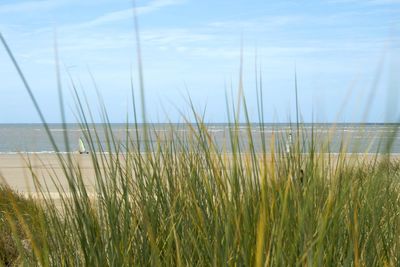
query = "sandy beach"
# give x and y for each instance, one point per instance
(15, 172)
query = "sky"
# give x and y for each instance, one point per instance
(346, 54)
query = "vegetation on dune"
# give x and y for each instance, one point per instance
(183, 201)
(189, 204)
(19, 221)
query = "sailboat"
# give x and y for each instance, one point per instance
(289, 143)
(82, 149)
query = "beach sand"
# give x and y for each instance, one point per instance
(15, 172)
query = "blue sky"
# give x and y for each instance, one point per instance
(194, 47)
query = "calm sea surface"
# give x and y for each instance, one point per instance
(359, 138)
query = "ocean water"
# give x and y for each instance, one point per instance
(356, 138)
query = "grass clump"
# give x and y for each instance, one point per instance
(167, 199)
(20, 220)
(186, 203)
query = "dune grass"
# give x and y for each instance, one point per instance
(17, 215)
(188, 204)
(183, 201)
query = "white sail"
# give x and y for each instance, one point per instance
(289, 143)
(81, 146)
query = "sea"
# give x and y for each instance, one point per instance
(348, 137)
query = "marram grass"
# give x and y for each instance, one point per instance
(187, 204)
(182, 201)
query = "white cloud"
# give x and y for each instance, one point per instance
(366, 2)
(127, 14)
(174, 37)
(257, 23)
(383, 2)
(30, 6)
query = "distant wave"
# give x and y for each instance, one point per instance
(68, 130)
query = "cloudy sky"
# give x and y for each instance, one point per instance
(342, 49)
